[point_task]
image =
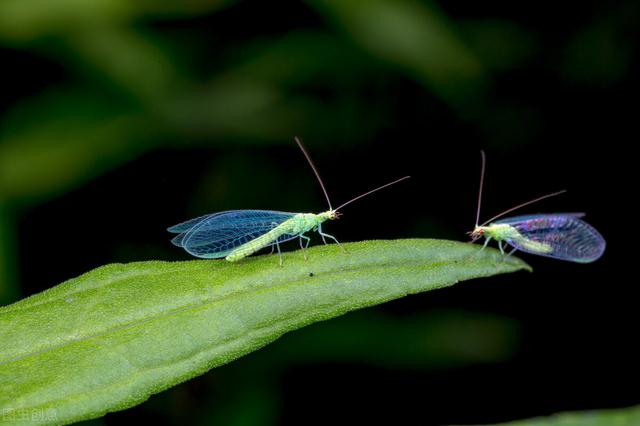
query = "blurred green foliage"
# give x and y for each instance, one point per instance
(132, 88)
(440, 339)
(620, 417)
(417, 38)
(131, 92)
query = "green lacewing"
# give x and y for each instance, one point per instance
(236, 234)
(562, 236)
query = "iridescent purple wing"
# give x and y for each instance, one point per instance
(565, 234)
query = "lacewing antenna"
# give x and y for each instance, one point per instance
(315, 170)
(535, 200)
(324, 190)
(372, 191)
(484, 162)
(519, 206)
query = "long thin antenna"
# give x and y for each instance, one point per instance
(313, 166)
(372, 191)
(484, 162)
(524, 204)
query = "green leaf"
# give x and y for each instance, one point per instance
(110, 338)
(620, 417)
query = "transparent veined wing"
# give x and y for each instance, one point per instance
(187, 225)
(568, 237)
(217, 235)
(182, 228)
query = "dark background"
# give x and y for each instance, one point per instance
(117, 121)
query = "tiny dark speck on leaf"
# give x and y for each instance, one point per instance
(310, 274)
